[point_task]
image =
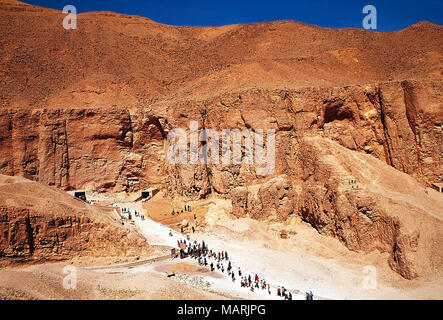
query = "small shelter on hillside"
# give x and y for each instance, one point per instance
(147, 194)
(438, 186)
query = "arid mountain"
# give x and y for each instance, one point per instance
(128, 61)
(91, 108)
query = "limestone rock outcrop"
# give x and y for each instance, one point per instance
(39, 223)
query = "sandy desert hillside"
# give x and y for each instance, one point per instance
(40, 224)
(92, 108)
(384, 209)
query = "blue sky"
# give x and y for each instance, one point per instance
(391, 14)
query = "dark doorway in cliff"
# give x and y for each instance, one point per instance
(146, 194)
(80, 195)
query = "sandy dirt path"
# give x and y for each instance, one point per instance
(158, 234)
(308, 262)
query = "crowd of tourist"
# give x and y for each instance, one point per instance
(126, 211)
(220, 260)
(187, 208)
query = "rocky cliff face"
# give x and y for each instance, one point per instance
(83, 148)
(121, 149)
(357, 199)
